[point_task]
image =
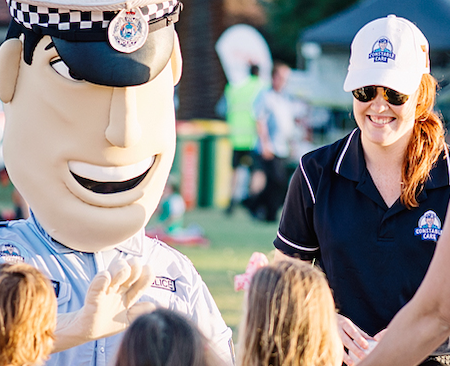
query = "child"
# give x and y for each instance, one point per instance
(165, 338)
(27, 315)
(289, 319)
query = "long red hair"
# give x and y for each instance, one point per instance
(425, 146)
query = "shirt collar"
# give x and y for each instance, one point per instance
(350, 163)
(132, 245)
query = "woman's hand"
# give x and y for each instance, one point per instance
(353, 338)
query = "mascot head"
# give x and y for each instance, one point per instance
(90, 133)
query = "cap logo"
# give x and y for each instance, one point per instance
(128, 31)
(382, 50)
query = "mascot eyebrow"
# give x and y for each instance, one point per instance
(50, 46)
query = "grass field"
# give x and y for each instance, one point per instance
(233, 240)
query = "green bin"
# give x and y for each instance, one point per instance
(203, 163)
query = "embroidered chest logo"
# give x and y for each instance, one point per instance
(382, 50)
(429, 226)
(10, 254)
(164, 283)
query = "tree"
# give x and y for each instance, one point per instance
(287, 18)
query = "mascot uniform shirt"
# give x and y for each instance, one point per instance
(177, 286)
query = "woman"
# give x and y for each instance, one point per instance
(370, 207)
(289, 319)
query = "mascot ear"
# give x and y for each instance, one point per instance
(10, 54)
(176, 60)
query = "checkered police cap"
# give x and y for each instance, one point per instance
(64, 22)
(106, 42)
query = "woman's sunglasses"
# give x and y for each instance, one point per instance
(368, 93)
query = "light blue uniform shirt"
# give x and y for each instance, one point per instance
(276, 110)
(178, 286)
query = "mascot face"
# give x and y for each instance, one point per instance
(91, 160)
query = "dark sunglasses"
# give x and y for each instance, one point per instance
(368, 93)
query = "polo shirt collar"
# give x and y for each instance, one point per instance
(133, 245)
(350, 163)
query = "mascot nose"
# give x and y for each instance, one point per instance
(123, 129)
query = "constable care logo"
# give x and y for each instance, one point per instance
(429, 226)
(10, 254)
(164, 283)
(382, 50)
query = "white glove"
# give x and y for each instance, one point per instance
(110, 305)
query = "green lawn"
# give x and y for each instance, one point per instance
(233, 240)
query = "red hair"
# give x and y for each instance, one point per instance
(425, 146)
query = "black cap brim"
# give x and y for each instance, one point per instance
(99, 63)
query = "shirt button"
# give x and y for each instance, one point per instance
(102, 349)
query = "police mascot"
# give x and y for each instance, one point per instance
(87, 87)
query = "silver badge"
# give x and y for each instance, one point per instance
(128, 31)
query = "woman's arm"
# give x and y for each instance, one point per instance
(424, 323)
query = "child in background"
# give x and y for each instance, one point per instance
(27, 315)
(165, 338)
(172, 208)
(170, 227)
(289, 319)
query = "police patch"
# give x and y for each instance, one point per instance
(164, 283)
(9, 253)
(382, 50)
(429, 226)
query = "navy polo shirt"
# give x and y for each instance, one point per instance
(375, 257)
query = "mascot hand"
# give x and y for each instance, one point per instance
(110, 305)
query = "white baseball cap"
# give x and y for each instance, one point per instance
(390, 52)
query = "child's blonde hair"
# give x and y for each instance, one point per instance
(290, 319)
(27, 315)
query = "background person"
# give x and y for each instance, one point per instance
(275, 116)
(236, 106)
(165, 338)
(27, 315)
(358, 205)
(289, 319)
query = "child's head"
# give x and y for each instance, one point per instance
(27, 315)
(164, 338)
(290, 318)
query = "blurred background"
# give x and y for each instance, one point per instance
(217, 38)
